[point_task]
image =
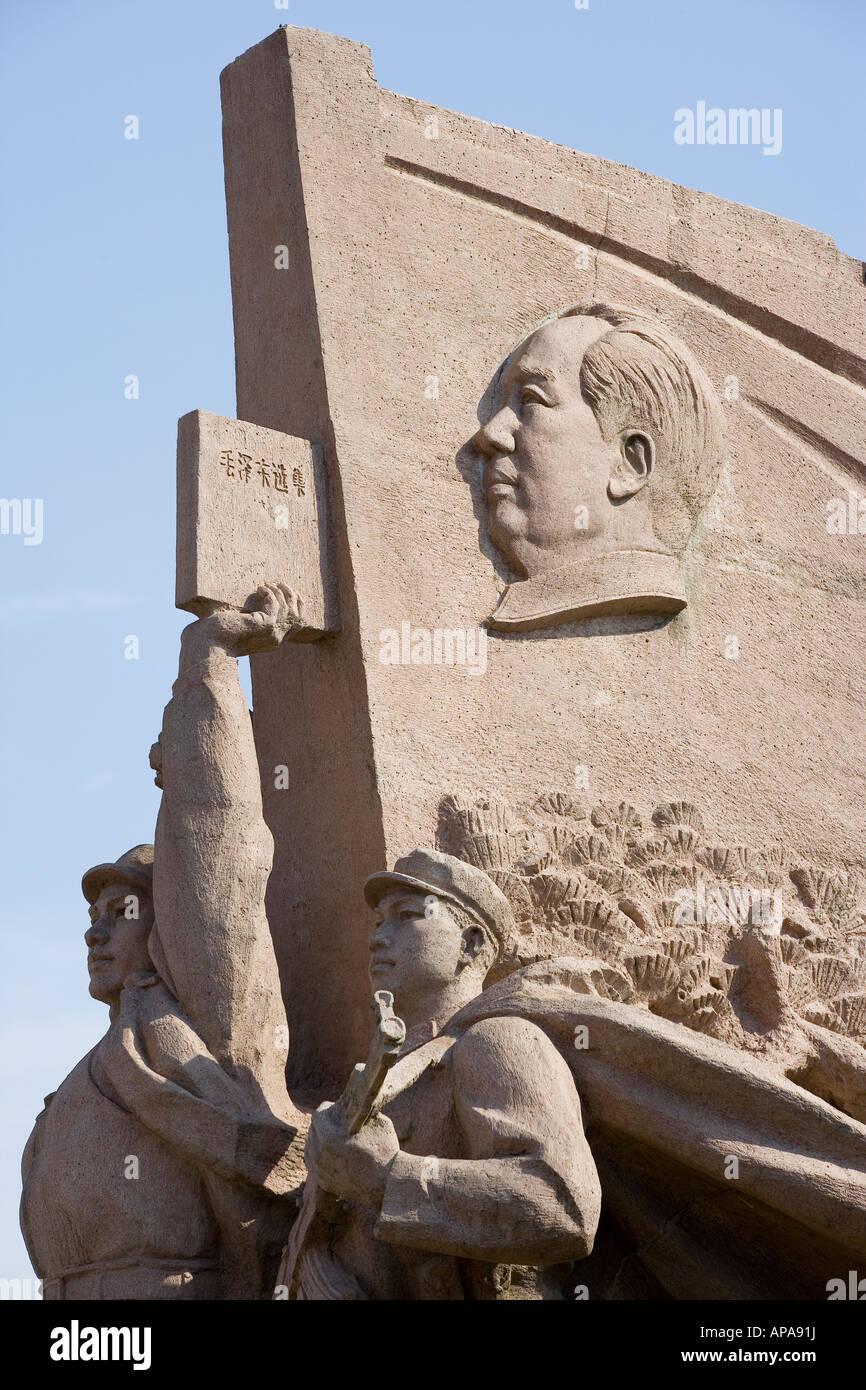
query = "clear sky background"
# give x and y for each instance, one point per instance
(115, 262)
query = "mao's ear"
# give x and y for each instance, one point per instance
(637, 454)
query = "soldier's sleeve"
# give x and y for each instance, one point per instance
(527, 1190)
(212, 860)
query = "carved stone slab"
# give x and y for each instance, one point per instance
(388, 338)
(249, 510)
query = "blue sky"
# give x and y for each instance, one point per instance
(115, 262)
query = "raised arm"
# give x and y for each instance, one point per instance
(214, 851)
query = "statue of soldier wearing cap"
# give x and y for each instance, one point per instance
(470, 1175)
(472, 1178)
(164, 1165)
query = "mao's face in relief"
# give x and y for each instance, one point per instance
(546, 465)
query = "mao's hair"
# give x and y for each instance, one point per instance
(638, 375)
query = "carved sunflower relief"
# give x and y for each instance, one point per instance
(742, 944)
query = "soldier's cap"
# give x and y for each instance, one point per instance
(135, 867)
(430, 871)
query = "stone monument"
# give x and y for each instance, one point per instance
(715, 425)
(563, 461)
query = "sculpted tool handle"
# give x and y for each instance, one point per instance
(362, 1097)
(360, 1101)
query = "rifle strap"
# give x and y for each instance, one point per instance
(413, 1065)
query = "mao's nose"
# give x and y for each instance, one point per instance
(497, 436)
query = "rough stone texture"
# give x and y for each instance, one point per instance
(381, 344)
(250, 504)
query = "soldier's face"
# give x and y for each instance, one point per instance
(120, 923)
(546, 465)
(415, 947)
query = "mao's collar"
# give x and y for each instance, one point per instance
(621, 581)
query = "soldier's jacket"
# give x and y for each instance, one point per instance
(494, 1179)
(109, 1210)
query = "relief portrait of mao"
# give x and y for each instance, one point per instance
(603, 441)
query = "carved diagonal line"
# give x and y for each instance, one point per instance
(833, 461)
(797, 339)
